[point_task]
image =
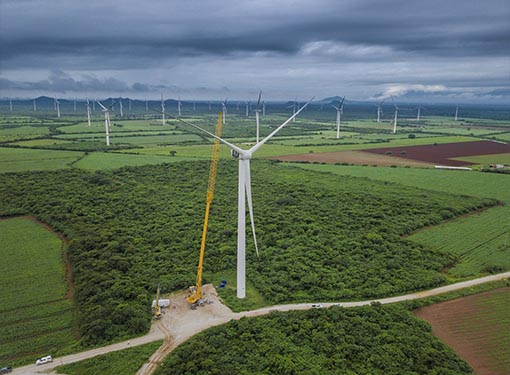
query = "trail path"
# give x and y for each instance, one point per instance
(179, 323)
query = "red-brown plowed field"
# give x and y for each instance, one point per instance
(477, 327)
(442, 153)
(353, 157)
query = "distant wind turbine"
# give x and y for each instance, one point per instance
(379, 111)
(247, 109)
(224, 109)
(339, 112)
(75, 105)
(88, 112)
(179, 104)
(57, 104)
(129, 102)
(146, 106)
(396, 116)
(419, 108)
(10, 105)
(456, 113)
(121, 107)
(257, 116)
(244, 194)
(35, 106)
(162, 109)
(106, 121)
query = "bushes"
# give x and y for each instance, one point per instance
(132, 227)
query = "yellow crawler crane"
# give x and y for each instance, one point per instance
(195, 292)
(157, 308)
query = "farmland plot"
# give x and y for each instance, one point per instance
(35, 316)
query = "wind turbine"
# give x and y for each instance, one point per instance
(257, 116)
(379, 111)
(162, 109)
(264, 108)
(209, 106)
(244, 193)
(88, 112)
(224, 109)
(129, 102)
(339, 112)
(35, 106)
(10, 105)
(146, 105)
(456, 113)
(179, 104)
(247, 109)
(396, 116)
(121, 107)
(75, 105)
(194, 109)
(106, 121)
(57, 105)
(419, 111)
(94, 105)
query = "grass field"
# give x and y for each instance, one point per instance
(21, 159)
(481, 240)
(36, 317)
(488, 159)
(125, 362)
(476, 327)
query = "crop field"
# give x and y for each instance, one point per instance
(476, 327)
(107, 161)
(22, 159)
(443, 154)
(487, 159)
(35, 316)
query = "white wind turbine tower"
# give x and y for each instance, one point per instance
(244, 193)
(88, 112)
(339, 112)
(129, 102)
(94, 105)
(35, 106)
(162, 109)
(106, 121)
(10, 105)
(379, 111)
(75, 105)
(456, 113)
(247, 109)
(121, 107)
(396, 116)
(257, 116)
(146, 105)
(224, 109)
(57, 105)
(419, 112)
(179, 104)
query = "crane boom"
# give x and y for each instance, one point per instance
(196, 290)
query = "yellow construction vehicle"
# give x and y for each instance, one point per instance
(195, 292)
(157, 308)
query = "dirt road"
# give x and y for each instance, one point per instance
(179, 323)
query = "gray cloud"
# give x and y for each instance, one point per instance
(365, 45)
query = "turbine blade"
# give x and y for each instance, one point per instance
(102, 106)
(257, 146)
(342, 102)
(226, 143)
(247, 184)
(258, 102)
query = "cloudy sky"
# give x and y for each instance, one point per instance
(429, 51)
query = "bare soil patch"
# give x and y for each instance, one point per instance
(476, 328)
(441, 154)
(353, 157)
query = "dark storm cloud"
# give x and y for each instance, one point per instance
(442, 28)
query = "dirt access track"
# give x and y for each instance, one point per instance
(179, 323)
(413, 156)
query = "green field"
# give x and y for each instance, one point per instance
(488, 159)
(23, 159)
(110, 160)
(36, 317)
(125, 362)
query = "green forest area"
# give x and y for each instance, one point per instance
(321, 236)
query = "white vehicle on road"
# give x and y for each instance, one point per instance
(43, 360)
